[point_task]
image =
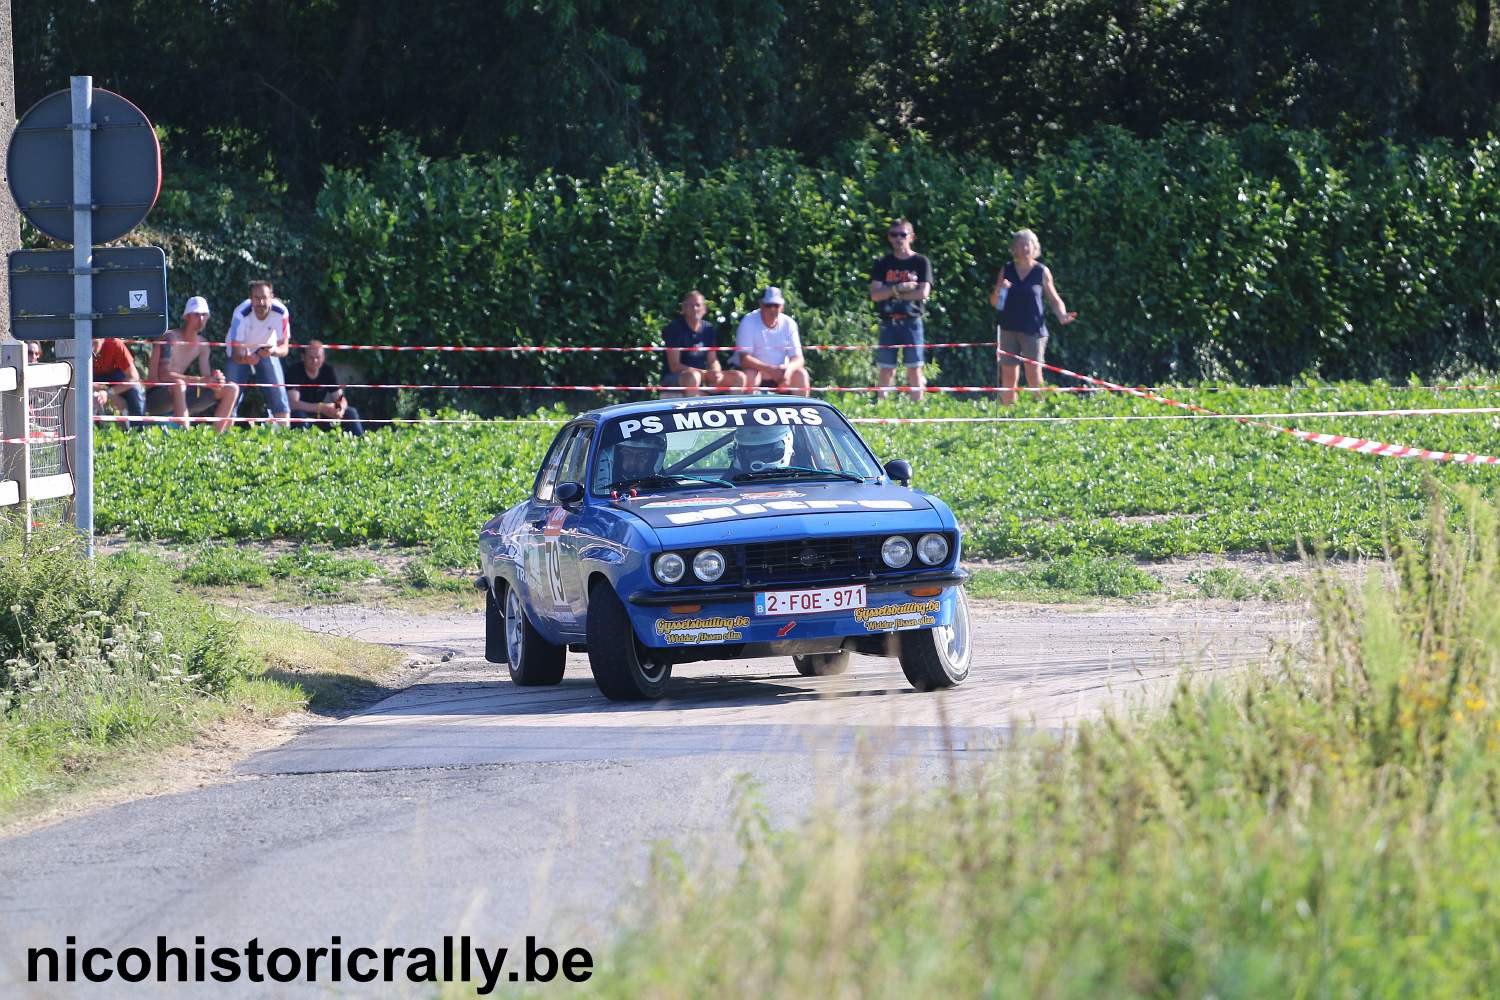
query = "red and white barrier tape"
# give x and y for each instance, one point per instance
(561, 349)
(1364, 446)
(39, 439)
(1074, 419)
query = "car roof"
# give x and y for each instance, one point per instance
(668, 405)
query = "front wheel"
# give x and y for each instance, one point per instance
(622, 666)
(934, 658)
(534, 662)
(822, 664)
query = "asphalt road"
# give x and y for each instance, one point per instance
(466, 805)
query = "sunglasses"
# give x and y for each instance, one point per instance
(896, 232)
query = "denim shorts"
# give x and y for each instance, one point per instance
(265, 373)
(907, 332)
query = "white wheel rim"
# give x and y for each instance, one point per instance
(953, 639)
(515, 621)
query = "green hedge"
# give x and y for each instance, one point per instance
(1259, 256)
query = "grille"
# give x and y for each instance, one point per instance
(807, 559)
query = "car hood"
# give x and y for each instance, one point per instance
(721, 507)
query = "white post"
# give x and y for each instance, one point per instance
(15, 424)
(83, 308)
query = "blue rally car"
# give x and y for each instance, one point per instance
(669, 532)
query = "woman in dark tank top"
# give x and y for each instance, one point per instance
(1020, 290)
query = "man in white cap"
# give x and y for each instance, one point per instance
(188, 394)
(769, 347)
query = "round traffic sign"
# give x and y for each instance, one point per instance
(126, 165)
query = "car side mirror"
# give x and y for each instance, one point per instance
(899, 469)
(568, 493)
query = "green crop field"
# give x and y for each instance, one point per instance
(1145, 488)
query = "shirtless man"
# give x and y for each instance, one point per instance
(177, 352)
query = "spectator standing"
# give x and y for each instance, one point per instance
(172, 360)
(115, 373)
(900, 284)
(1025, 282)
(769, 347)
(260, 334)
(321, 395)
(692, 356)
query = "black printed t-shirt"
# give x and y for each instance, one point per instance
(892, 270)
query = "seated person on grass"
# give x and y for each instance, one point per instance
(320, 401)
(186, 394)
(116, 376)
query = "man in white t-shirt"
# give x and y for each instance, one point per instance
(260, 334)
(769, 347)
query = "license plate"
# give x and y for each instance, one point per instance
(810, 602)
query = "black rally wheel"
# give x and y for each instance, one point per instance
(934, 658)
(622, 667)
(534, 661)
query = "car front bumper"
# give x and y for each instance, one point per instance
(705, 623)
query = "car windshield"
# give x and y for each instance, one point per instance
(678, 448)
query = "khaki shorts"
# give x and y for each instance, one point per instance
(1027, 345)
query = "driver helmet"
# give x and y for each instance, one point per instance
(638, 457)
(758, 447)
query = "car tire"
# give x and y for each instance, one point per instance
(933, 658)
(822, 664)
(534, 662)
(621, 664)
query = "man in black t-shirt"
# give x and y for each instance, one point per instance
(692, 357)
(900, 283)
(321, 401)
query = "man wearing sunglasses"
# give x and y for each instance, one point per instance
(900, 283)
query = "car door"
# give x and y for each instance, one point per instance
(558, 584)
(573, 535)
(538, 559)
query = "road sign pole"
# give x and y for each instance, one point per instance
(83, 308)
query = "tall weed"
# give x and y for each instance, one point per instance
(1327, 826)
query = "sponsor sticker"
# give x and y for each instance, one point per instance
(912, 614)
(772, 495)
(703, 418)
(699, 631)
(686, 502)
(718, 513)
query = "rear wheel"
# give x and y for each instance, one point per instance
(623, 667)
(822, 664)
(934, 658)
(534, 662)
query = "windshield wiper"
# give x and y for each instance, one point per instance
(795, 470)
(671, 479)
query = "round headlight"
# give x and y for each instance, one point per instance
(669, 567)
(896, 552)
(708, 565)
(932, 549)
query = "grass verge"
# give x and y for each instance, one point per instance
(110, 661)
(1078, 576)
(1324, 828)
